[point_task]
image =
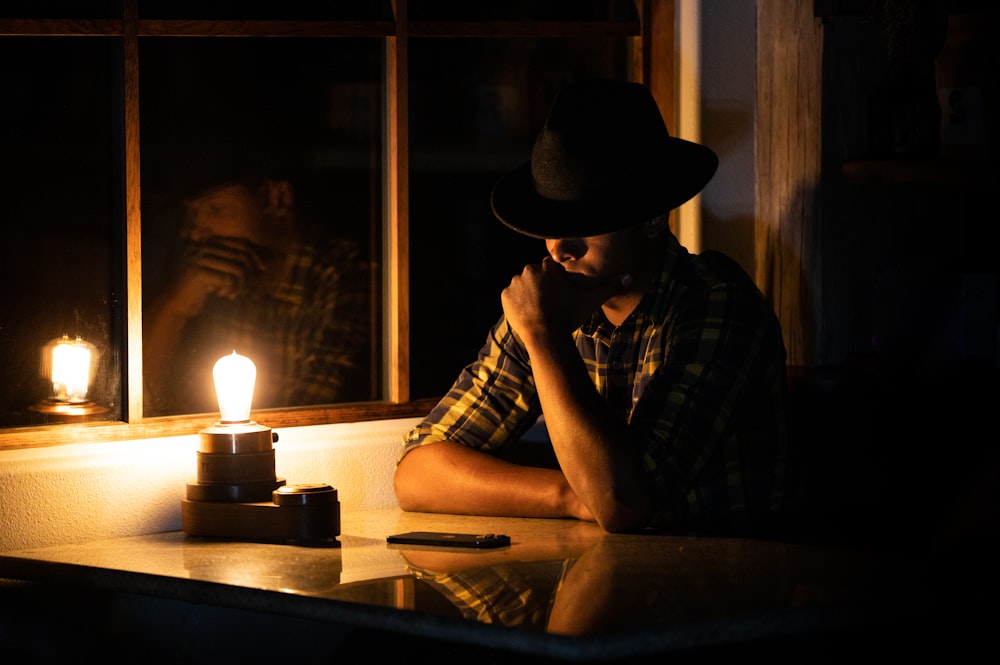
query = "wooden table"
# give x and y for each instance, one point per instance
(563, 590)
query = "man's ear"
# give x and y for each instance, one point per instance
(656, 226)
(279, 197)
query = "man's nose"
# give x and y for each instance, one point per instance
(190, 228)
(565, 249)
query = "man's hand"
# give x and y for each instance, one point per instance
(225, 267)
(545, 299)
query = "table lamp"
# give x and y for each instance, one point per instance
(237, 495)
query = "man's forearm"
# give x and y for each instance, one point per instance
(447, 477)
(161, 330)
(591, 444)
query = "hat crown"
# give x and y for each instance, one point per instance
(601, 139)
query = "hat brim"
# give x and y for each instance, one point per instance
(676, 177)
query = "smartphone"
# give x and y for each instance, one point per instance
(442, 539)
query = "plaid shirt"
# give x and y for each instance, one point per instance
(519, 595)
(698, 372)
(310, 339)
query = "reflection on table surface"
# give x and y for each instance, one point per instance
(558, 577)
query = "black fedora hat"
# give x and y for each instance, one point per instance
(603, 161)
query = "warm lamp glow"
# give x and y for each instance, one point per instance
(237, 495)
(234, 381)
(69, 365)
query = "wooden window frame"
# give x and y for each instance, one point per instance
(652, 64)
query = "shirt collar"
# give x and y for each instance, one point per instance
(654, 302)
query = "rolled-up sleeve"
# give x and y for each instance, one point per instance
(492, 402)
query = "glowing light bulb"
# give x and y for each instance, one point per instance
(234, 382)
(71, 368)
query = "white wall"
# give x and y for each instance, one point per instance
(717, 83)
(81, 492)
(728, 99)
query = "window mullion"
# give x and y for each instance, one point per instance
(133, 235)
(396, 366)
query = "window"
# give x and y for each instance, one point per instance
(394, 120)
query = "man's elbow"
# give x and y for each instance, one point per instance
(624, 523)
(404, 487)
(623, 517)
(412, 484)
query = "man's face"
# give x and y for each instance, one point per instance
(231, 211)
(594, 259)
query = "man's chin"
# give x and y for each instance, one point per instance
(582, 281)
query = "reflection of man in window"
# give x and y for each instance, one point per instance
(252, 277)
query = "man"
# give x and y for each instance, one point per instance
(254, 278)
(660, 374)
